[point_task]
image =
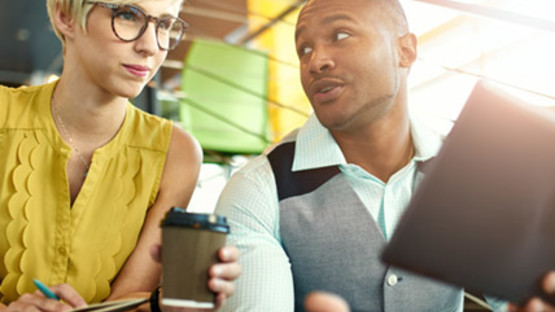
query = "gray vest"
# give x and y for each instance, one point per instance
(334, 245)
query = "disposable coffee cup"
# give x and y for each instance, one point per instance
(190, 245)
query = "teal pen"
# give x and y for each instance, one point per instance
(45, 290)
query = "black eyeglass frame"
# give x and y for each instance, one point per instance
(157, 22)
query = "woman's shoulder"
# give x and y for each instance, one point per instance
(23, 92)
(144, 119)
(156, 129)
(181, 169)
(23, 102)
(147, 131)
(184, 148)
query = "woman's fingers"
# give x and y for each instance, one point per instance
(69, 295)
(36, 302)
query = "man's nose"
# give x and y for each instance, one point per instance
(321, 60)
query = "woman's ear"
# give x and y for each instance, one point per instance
(64, 22)
(408, 50)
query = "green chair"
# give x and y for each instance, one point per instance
(225, 98)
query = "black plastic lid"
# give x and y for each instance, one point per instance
(179, 217)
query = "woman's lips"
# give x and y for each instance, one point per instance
(137, 70)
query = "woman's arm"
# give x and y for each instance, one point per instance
(141, 273)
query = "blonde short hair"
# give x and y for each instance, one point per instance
(77, 10)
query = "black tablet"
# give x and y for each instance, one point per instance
(483, 217)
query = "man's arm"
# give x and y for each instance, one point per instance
(249, 201)
(496, 304)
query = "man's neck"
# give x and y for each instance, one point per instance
(381, 149)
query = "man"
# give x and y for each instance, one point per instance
(315, 212)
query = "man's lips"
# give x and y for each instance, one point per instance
(137, 70)
(326, 89)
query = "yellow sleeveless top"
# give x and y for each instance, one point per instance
(41, 235)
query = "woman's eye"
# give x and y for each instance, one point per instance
(342, 35)
(165, 23)
(127, 16)
(129, 13)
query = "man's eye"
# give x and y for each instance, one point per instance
(342, 35)
(304, 50)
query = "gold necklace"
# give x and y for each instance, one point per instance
(66, 132)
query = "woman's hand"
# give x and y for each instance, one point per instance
(536, 304)
(38, 302)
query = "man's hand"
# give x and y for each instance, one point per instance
(325, 302)
(536, 304)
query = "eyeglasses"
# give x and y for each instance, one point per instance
(130, 22)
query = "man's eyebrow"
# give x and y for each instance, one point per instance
(335, 17)
(298, 32)
(328, 20)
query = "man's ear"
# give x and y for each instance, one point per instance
(408, 47)
(65, 22)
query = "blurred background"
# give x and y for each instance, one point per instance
(234, 82)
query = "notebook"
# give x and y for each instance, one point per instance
(113, 306)
(483, 217)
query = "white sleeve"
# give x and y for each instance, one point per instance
(250, 203)
(496, 304)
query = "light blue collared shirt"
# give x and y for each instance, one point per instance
(385, 201)
(251, 205)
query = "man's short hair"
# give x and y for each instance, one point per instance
(397, 13)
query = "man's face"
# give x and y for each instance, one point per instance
(348, 61)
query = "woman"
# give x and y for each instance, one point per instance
(85, 177)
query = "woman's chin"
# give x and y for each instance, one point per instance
(131, 93)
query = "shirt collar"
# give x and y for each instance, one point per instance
(427, 142)
(315, 146)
